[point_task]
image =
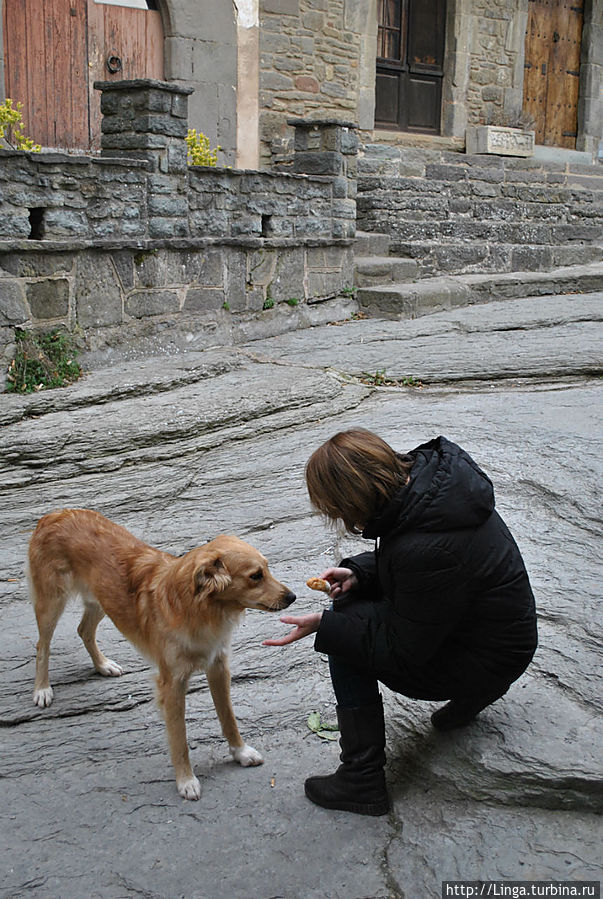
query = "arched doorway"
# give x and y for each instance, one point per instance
(55, 50)
(410, 64)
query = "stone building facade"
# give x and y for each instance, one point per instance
(255, 64)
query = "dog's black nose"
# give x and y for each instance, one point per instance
(289, 597)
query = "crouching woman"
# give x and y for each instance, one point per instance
(441, 609)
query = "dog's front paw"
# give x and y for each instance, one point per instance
(190, 789)
(42, 698)
(246, 755)
(109, 668)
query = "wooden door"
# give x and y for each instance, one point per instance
(410, 60)
(55, 49)
(45, 63)
(123, 43)
(552, 70)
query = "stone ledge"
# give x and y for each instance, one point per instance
(174, 243)
(143, 84)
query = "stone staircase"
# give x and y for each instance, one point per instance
(440, 229)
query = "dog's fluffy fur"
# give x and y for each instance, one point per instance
(178, 611)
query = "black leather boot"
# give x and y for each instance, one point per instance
(358, 785)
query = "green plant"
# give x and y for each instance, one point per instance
(294, 301)
(10, 128)
(42, 361)
(268, 303)
(199, 151)
(349, 291)
(380, 379)
(226, 306)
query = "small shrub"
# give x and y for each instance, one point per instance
(10, 128)
(42, 361)
(294, 301)
(268, 303)
(199, 151)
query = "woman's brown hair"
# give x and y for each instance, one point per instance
(352, 475)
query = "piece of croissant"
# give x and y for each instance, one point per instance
(317, 583)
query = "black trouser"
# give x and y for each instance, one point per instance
(451, 674)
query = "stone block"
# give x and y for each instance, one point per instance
(349, 142)
(168, 227)
(261, 267)
(123, 260)
(210, 223)
(499, 141)
(329, 258)
(176, 158)
(62, 222)
(532, 259)
(97, 291)
(36, 265)
(143, 303)
(340, 187)
(322, 285)
(204, 267)
(318, 162)
(13, 308)
(15, 225)
(204, 299)
(243, 225)
(235, 279)
(288, 280)
(168, 205)
(344, 209)
(49, 298)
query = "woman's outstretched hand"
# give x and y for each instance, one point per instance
(340, 579)
(304, 625)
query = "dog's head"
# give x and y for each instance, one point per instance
(232, 571)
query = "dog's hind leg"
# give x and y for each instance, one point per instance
(218, 677)
(48, 606)
(171, 698)
(93, 615)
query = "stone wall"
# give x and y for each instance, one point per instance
(54, 196)
(137, 243)
(312, 64)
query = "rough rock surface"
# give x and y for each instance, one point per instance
(179, 449)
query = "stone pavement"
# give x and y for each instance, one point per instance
(183, 447)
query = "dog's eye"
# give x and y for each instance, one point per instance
(257, 575)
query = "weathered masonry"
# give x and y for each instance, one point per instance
(135, 243)
(406, 71)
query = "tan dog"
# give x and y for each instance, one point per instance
(178, 611)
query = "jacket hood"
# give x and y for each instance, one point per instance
(446, 491)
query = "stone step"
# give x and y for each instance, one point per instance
(411, 300)
(389, 161)
(581, 190)
(439, 257)
(369, 270)
(371, 243)
(406, 227)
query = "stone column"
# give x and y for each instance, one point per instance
(330, 147)
(147, 119)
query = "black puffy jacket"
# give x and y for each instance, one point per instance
(449, 591)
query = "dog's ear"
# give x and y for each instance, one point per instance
(211, 577)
